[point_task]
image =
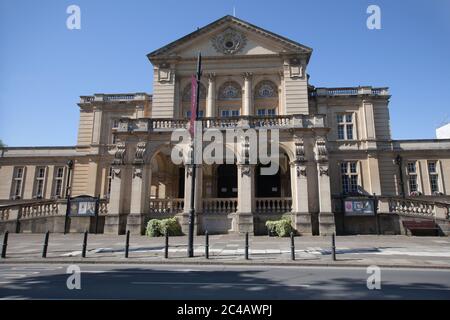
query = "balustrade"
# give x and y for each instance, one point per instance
(220, 205)
(170, 206)
(273, 205)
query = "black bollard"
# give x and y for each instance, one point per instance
(292, 247)
(166, 248)
(246, 246)
(5, 244)
(83, 253)
(44, 249)
(333, 246)
(206, 245)
(127, 244)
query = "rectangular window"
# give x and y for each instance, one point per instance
(411, 169)
(271, 112)
(58, 182)
(115, 125)
(225, 113)
(261, 112)
(349, 174)
(200, 114)
(412, 180)
(17, 183)
(341, 135)
(39, 182)
(434, 176)
(235, 113)
(345, 126)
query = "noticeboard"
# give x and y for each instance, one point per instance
(359, 207)
(83, 206)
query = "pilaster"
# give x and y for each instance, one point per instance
(211, 96)
(326, 216)
(116, 219)
(247, 103)
(299, 186)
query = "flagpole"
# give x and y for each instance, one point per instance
(194, 165)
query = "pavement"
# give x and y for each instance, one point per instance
(214, 282)
(357, 251)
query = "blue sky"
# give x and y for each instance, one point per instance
(44, 67)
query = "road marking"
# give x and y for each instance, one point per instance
(221, 284)
(36, 268)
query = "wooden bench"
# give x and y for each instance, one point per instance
(421, 226)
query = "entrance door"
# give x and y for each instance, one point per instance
(227, 181)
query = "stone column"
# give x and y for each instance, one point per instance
(326, 216)
(211, 99)
(243, 221)
(187, 198)
(139, 204)
(247, 101)
(300, 206)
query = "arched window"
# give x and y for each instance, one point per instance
(230, 91)
(187, 92)
(266, 89)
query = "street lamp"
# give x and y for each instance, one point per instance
(68, 192)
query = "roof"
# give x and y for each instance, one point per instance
(290, 43)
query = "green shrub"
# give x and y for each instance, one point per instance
(281, 228)
(158, 227)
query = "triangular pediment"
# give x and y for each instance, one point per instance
(230, 36)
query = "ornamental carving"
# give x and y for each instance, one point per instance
(230, 90)
(137, 172)
(119, 155)
(229, 42)
(245, 171)
(323, 171)
(299, 150)
(164, 72)
(321, 149)
(140, 151)
(246, 151)
(188, 91)
(266, 89)
(301, 171)
(115, 173)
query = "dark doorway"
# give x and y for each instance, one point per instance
(227, 181)
(267, 186)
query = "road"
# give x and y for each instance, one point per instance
(39, 281)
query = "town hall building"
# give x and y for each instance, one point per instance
(339, 168)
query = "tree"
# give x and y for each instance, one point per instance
(2, 145)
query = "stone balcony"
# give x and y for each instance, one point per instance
(115, 98)
(299, 121)
(350, 91)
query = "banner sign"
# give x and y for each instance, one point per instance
(359, 207)
(83, 206)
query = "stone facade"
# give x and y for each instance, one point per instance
(334, 143)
